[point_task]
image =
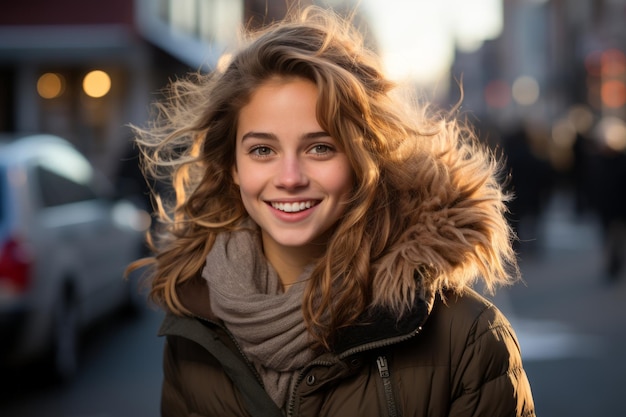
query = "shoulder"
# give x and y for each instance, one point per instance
(475, 326)
(468, 312)
(482, 345)
(469, 347)
(462, 324)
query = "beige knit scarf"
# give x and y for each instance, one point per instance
(246, 293)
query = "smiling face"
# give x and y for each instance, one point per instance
(294, 180)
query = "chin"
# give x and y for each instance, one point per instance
(296, 240)
(294, 243)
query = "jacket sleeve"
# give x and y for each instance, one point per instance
(490, 377)
(172, 400)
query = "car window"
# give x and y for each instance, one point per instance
(64, 177)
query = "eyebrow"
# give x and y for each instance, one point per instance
(271, 136)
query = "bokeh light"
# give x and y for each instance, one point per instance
(50, 85)
(97, 84)
(525, 90)
(613, 93)
(612, 132)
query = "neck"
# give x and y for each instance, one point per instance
(290, 262)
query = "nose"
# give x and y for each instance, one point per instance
(291, 173)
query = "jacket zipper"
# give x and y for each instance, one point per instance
(358, 349)
(383, 371)
(381, 343)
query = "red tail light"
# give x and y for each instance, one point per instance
(15, 263)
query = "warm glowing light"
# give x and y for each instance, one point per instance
(613, 93)
(50, 85)
(525, 91)
(97, 84)
(613, 133)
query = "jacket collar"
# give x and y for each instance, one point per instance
(376, 327)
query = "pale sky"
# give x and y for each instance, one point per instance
(417, 37)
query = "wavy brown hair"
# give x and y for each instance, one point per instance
(426, 197)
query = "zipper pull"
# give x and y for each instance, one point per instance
(383, 368)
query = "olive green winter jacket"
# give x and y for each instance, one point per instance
(461, 358)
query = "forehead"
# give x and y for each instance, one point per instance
(280, 101)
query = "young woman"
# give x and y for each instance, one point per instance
(317, 252)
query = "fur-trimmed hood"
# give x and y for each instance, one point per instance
(450, 209)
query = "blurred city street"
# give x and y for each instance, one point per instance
(569, 319)
(544, 81)
(120, 376)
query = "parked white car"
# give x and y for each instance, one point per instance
(64, 244)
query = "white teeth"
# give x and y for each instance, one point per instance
(293, 207)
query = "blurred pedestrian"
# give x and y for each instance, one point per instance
(530, 183)
(318, 253)
(606, 172)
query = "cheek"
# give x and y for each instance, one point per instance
(249, 185)
(341, 179)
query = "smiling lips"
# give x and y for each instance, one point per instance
(295, 206)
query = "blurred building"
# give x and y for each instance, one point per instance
(47, 51)
(84, 70)
(551, 55)
(548, 57)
